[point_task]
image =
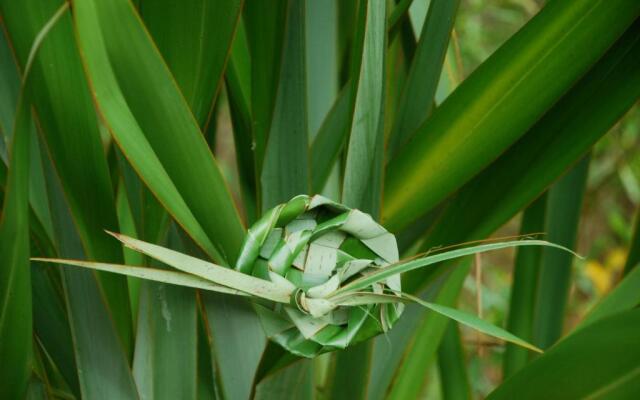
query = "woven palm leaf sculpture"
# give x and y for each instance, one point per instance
(321, 276)
(317, 245)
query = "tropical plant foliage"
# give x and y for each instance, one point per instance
(108, 121)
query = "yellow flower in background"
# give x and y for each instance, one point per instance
(598, 275)
(602, 276)
(616, 259)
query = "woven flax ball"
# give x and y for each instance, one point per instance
(314, 246)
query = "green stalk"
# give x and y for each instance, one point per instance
(563, 216)
(523, 290)
(454, 381)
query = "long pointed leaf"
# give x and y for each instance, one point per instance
(165, 361)
(557, 141)
(500, 101)
(15, 279)
(563, 216)
(145, 111)
(598, 362)
(194, 39)
(286, 163)
(152, 274)
(407, 266)
(212, 272)
(364, 148)
(103, 370)
(72, 138)
(418, 98)
(526, 270)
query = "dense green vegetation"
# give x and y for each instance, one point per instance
(182, 123)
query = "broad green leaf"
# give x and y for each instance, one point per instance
(207, 386)
(323, 84)
(165, 360)
(51, 323)
(40, 216)
(557, 141)
(127, 223)
(72, 138)
(452, 365)
(321, 60)
(526, 270)
(16, 321)
(624, 297)
(554, 281)
(237, 346)
(285, 172)
(194, 38)
(500, 101)
(15, 280)
(265, 28)
(238, 86)
(417, 99)
(294, 383)
(363, 165)
(597, 362)
(400, 11)
(10, 82)
(103, 370)
(330, 140)
(350, 372)
(364, 155)
(143, 109)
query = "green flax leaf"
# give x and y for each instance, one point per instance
(16, 322)
(153, 125)
(265, 28)
(500, 101)
(148, 273)
(407, 266)
(526, 271)
(554, 282)
(286, 163)
(72, 138)
(15, 286)
(556, 142)
(105, 368)
(165, 360)
(363, 165)
(597, 362)
(195, 40)
(417, 99)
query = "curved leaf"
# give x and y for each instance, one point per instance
(597, 362)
